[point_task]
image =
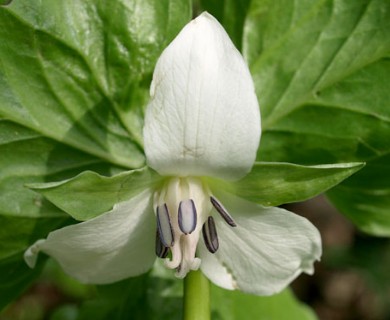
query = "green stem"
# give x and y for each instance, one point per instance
(196, 296)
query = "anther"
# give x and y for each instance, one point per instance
(210, 236)
(187, 216)
(164, 226)
(161, 250)
(222, 211)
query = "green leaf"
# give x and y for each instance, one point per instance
(79, 72)
(273, 184)
(348, 120)
(321, 72)
(367, 204)
(233, 305)
(27, 157)
(90, 194)
(231, 14)
(311, 48)
(26, 216)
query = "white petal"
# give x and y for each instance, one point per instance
(268, 249)
(114, 246)
(203, 118)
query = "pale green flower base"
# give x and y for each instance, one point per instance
(196, 296)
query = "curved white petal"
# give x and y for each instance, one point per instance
(203, 118)
(268, 249)
(114, 246)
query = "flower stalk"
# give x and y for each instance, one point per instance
(196, 302)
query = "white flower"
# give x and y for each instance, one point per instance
(202, 123)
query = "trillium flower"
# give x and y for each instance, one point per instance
(202, 125)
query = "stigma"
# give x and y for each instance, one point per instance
(183, 208)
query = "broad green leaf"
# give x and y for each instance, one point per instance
(25, 215)
(234, 305)
(48, 87)
(348, 120)
(357, 135)
(231, 14)
(79, 72)
(273, 184)
(316, 44)
(367, 204)
(90, 194)
(321, 71)
(27, 157)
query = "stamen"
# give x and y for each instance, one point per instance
(222, 211)
(210, 236)
(187, 216)
(161, 250)
(164, 226)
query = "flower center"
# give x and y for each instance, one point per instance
(183, 207)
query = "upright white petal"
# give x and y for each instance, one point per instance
(114, 246)
(268, 249)
(203, 118)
